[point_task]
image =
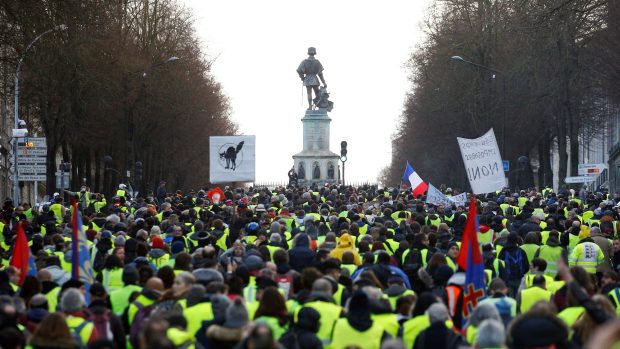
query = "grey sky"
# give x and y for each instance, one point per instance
(257, 45)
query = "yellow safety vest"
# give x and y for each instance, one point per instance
(195, 315)
(570, 315)
(530, 296)
(530, 251)
(120, 298)
(345, 336)
(57, 209)
(551, 255)
(80, 327)
(329, 314)
(180, 338)
(394, 299)
(52, 298)
(389, 321)
(112, 279)
(615, 295)
(586, 255)
(273, 323)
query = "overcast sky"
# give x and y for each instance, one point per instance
(257, 46)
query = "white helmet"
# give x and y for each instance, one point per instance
(122, 186)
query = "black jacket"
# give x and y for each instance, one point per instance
(438, 336)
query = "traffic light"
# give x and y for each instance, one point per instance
(139, 170)
(343, 151)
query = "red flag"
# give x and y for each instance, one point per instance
(21, 253)
(470, 237)
(216, 195)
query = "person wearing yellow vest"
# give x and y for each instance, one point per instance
(357, 329)
(396, 289)
(587, 255)
(506, 306)
(482, 312)
(72, 305)
(58, 209)
(537, 267)
(322, 301)
(121, 192)
(153, 288)
(531, 244)
(49, 288)
(551, 253)
(119, 298)
(438, 335)
(530, 296)
(112, 275)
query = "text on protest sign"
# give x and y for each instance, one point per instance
(483, 163)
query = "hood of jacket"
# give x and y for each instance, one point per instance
(345, 241)
(156, 253)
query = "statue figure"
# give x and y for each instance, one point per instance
(324, 102)
(330, 171)
(316, 172)
(310, 71)
(302, 171)
(292, 177)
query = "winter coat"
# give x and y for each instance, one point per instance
(345, 245)
(301, 255)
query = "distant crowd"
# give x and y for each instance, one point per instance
(311, 267)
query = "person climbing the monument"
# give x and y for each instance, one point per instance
(310, 71)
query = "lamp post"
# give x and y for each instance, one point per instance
(495, 72)
(129, 110)
(61, 27)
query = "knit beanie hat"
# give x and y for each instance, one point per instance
(177, 247)
(157, 242)
(219, 304)
(236, 315)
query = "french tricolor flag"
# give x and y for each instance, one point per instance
(417, 184)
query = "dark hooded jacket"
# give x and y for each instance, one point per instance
(304, 332)
(301, 255)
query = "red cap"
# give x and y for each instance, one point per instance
(157, 242)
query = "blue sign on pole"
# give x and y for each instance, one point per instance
(506, 164)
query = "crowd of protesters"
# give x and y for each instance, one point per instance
(321, 267)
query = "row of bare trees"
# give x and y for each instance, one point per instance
(99, 89)
(555, 72)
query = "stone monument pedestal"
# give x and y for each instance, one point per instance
(316, 164)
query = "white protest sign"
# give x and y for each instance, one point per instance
(436, 197)
(459, 200)
(483, 163)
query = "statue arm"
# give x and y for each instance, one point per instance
(320, 75)
(300, 71)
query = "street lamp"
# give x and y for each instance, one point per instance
(495, 72)
(61, 27)
(129, 109)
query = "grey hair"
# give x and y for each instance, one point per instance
(322, 286)
(437, 312)
(113, 218)
(72, 300)
(490, 334)
(187, 277)
(484, 311)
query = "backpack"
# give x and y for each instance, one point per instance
(514, 264)
(101, 321)
(412, 264)
(289, 340)
(137, 325)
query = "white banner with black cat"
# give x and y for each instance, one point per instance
(233, 159)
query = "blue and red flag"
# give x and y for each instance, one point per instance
(81, 267)
(470, 259)
(22, 259)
